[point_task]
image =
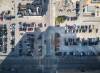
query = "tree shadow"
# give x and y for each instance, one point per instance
(22, 58)
(79, 63)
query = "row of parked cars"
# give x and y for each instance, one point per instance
(83, 42)
(30, 27)
(12, 33)
(72, 53)
(30, 9)
(26, 45)
(3, 38)
(6, 15)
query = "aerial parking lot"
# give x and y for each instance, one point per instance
(49, 36)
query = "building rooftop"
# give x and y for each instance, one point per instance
(93, 2)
